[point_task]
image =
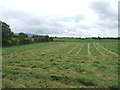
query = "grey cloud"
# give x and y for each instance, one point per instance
(85, 27)
(26, 22)
(78, 18)
(40, 23)
(108, 24)
(104, 10)
(9, 13)
(108, 18)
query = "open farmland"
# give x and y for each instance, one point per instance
(61, 65)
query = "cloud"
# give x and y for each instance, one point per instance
(108, 17)
(60, 18)
(43, 24)
(104, 10)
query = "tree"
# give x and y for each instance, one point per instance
(9, 38)
(35, 38)
(46, 38)
(51, 38)
(22, 35)
(7, 34)
(22, 38)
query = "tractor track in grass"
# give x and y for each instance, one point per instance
(79, 50)
(71, 49)
(98, 50)
(107, 50)
(59, 71)
(89, 49)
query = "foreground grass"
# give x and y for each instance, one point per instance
(56, 64)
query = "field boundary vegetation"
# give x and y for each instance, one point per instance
(9, 38)
(87, 39)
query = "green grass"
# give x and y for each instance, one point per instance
(84, 50)
(112, 47)
(94, 51)
(49, 65)
(84, 40)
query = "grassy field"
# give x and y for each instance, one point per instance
(84, 40)
(61, 65)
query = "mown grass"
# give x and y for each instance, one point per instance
(29, 79)
(84, 50)
(49, 66)
(93, 50)
(112, 47)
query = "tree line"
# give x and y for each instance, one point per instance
(9, 38)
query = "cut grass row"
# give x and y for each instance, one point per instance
(18, 78)
(112, 47)
(70, 70)
(43, 59)
(47, 47)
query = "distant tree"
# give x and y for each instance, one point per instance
(7, 34)
(9, 38)
(29, 40)
(15, 36)
(46, 38)
(51, 38)
(22, 38)
(14, 41)
(22, 35)
(35, 36)
(99, 37)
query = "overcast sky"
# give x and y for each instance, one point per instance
(74, 18)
